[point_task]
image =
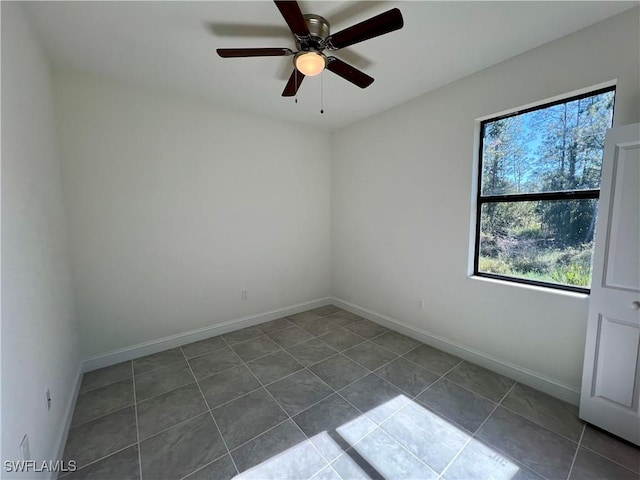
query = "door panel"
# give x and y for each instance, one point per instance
(624, 232)
(617, 357)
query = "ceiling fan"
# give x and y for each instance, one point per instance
(312, 37)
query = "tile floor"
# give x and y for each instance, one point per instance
(326, 394)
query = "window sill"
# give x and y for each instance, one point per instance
(535, 288)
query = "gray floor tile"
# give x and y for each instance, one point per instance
(310, 352)
(464, 407)
(480, 380)
(248, 417)
(98, 438)
(428, 436)
(258, 347)
(274, 366)
(327, 473)
(326, 310)
(432, 359)
(369, 355)
(166, 410)
(105, 376)
(207, 345)
(558, 416)
(189, 446)
(122, 466)
(539, 449)
(298, 462)
(299, 391)
(396, 342)
(290, 336)
(214, 362)
(228, 385)
(375, 397)
(351, 317)
(479, 461)
(338, 371)
(274, 325)
(591, 466)
(612, 447)
(157, 360)
(367, 329)
(221, 469)
(333, 425)
(163, 380)
(352, 466)
(342, 319)
(181, 450)
(301, 318)
(341, 339)
(321, 325)
(242, 335)
(267, 445)
(407, 376)
(390, 459)
(101, 401)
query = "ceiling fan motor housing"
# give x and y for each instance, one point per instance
(318, 32)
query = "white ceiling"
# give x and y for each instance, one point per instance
(171, 45)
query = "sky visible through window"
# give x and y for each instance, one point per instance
(554, 149)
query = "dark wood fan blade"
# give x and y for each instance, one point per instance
(293, 84)
(349, 73)
(253, 52)
(379, 25)
(290, 10)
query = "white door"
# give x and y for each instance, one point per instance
(611, 375)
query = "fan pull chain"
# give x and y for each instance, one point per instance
(322, 93)
(295, 79)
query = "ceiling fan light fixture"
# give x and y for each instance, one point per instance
(310, 63)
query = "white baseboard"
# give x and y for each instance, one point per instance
(68, 415)
(515, 372)
(161, 344)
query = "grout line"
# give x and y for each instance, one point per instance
(135, 411)
(575, 455)
(378, 426)
(204, 412)
(211, 414)
(611, 459)
(289, 417)
(473, 434)
(443, 377)
(261, 434)
(102, 415)
(532, 420)
(268, 392)
(82, 392)
(404, 355)
(402, 446)
(102, 458)
(204, 466)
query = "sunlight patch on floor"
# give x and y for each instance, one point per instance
(410, 442)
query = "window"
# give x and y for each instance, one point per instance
(538, 189)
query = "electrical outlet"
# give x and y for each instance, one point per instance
(244, 295)
(48, 399)
(25, 451)
(420, 303)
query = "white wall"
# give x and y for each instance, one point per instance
(402, 195)
(176, 206)
(39, 344)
